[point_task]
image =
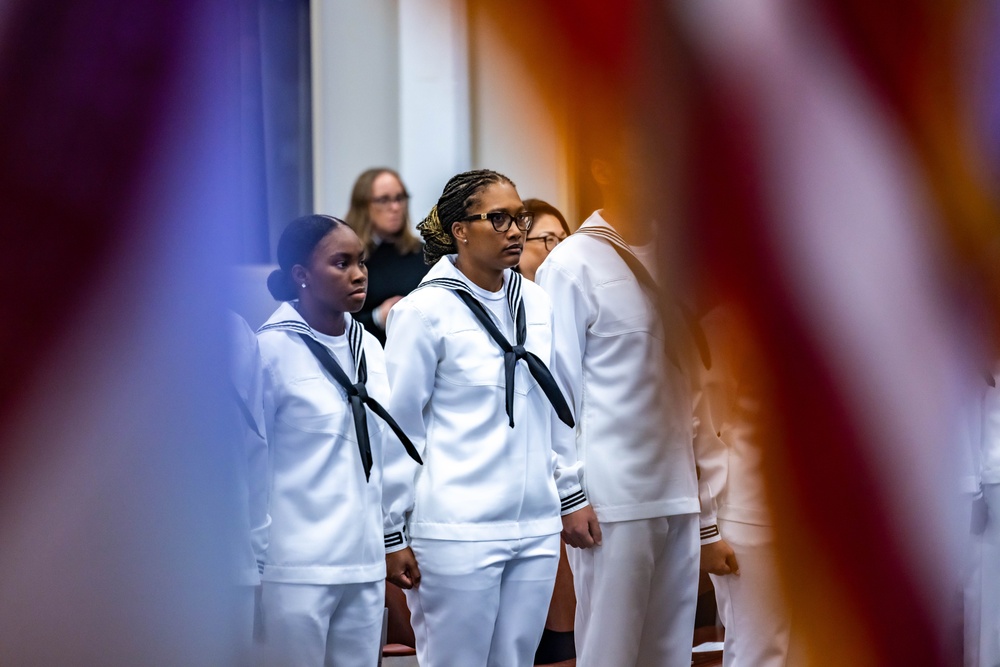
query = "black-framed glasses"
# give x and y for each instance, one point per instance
(502, 220)
(386, 200)
(550, 240)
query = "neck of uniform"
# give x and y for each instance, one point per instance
(490, 280)
(329, 322)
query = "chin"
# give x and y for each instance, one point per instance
(393, 233)
(353, 306)
(510, 262)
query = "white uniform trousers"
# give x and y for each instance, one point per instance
(313, 625)
(481, 604)
(758, 627)
(636, 593)
(983, 589)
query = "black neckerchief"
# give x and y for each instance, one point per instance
(511, 353)
(357, 394)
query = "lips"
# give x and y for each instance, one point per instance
(359, 292)
(514, 247)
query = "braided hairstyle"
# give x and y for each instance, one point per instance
(296, 246)
(453, 206)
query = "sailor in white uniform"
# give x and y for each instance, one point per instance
(325, 382)
(731, 457)
(982, 602)
(627, 364)
(474, 535)
(636, 590)
(250, 467)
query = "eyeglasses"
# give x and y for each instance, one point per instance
(550, 240)
(502, 220)
(386, 200)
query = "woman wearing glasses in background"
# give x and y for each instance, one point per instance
(548, 229)
(473, 535)
(379, 215)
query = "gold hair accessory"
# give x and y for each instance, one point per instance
(437, 242)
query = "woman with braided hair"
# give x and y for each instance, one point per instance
(473, 535)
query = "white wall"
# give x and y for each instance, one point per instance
(513, 131)
(414, 85)
(355, 87)
(434, 98)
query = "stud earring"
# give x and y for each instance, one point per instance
(303, 285)
(465, 241)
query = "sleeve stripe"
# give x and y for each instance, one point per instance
(573, 499)
(709, 531)
(393, 539)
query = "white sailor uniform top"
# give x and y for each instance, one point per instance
(482, 479)
(633, 442)
(326, 517)
(251, 460)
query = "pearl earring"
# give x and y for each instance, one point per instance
(465, 240)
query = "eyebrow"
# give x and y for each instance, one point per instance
(347, 255)
(499, 210)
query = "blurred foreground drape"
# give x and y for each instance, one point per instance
(119, 164)
(830, 169)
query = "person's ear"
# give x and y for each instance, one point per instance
(600, 171)
(299, 274)
(460, 231)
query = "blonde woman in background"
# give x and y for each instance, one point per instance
(379, 214)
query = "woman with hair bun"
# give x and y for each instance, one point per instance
(324, 570)
(473, 536)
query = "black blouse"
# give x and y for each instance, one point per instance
(389, 274)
